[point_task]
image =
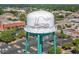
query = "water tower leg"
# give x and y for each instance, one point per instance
(27, 43)
(54, 37)
(40, 45)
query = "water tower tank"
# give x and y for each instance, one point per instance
(40, 22)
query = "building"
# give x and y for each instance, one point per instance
(74, 20)
(7, 24)
(72, 32)
(9, 15)
(11, 24)
(75, 23)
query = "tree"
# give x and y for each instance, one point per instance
(22, 17)
(68, 25)
(67, 46)
(76, 45)
(7, 36)
(20, 34)
(60, 16)
(1, 11)
(51, 50)
(14, 12)
(75, 50)
(76, 42)
(12, 19)
(64, 35)
(59, 27)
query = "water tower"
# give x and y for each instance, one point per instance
(40, 23)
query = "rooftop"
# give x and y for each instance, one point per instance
(76, 20)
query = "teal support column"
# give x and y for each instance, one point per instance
(27, 43)
(39, 45)
(54, 37)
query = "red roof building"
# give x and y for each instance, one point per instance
(12, 25)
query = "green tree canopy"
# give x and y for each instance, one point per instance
(22, 17)
(20, 34)
(7, 36)
(63, 35)
(67, 45)
(51, 50)
(76, 42)
(76, 48)
(1, 11)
